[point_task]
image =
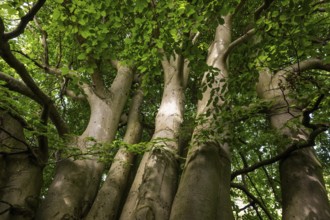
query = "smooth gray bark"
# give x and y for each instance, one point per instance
(21, 172)
(111, 193)
(303, 191)
(304, 195)
(154, 186)
(76, 182)
(204, 189)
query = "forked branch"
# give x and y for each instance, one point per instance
(252, 197)
(316, 130)
(24, 21)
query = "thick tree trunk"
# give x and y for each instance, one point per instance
(21, 172)
(153, 189)
(76, 182)
(204, 190)
(111, 193)
(303, 191)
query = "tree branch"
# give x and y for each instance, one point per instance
(312, 63)
(251, 196)
(18, 86)
(10, 206)
(24, 21)
(19, 67)
(46, 68)
(42, 138)
(263, 7)
(44, 43)
(14, 137)
(237, 42)
(317, 129)
(239, 6)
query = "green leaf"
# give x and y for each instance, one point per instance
(81, 56)
(65, 70)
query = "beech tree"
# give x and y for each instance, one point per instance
(176, 110)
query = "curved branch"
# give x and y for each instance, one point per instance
(18, 86)
(296, 146)
(24, 21)
(317, 129)
(312, 63)
(21, 70)
(251, 196)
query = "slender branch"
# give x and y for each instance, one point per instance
(317, 129)
(306, 119)
(15, 153)
(47, 69)
(10, 206)
(44, 43)
(310, 142)
(269, 179)
(195, 37)
(24, 21)
(42, 138)
(251, 196)
(239, 6)
(263, 7)
(18, 86)
(256, 209)
(256, 190)
(319, 3)
(247, 206)
(21, 70)
(237, 42)
(15, 138)
(56, 72)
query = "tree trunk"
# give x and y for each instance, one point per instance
(21, 172)
(76, 182)
(111, 193)
(303, 191)
(154, 186)
(204, 190)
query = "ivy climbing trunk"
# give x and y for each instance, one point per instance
(204, 190)
(21, 172)
(155, 183)
(76, 182)
(111, 193)
(304, 195)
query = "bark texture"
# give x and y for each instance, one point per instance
(21, 173)
(303, 191)
(204, 187)
(76, 182)
(111, 193)
(304, 195)
(154, 186)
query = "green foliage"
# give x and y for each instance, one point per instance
(83, 36)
